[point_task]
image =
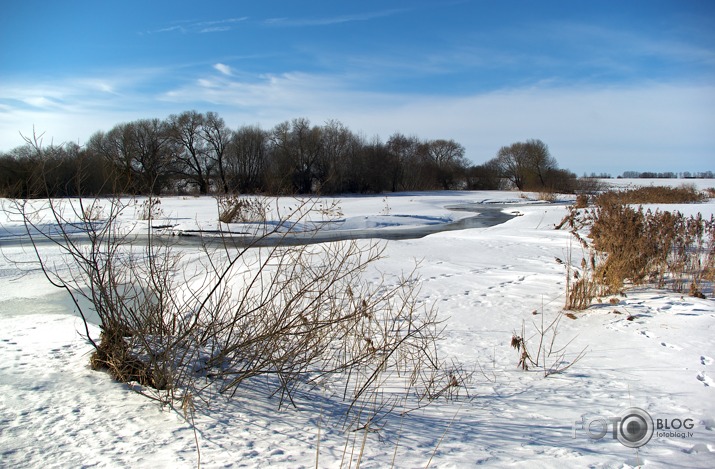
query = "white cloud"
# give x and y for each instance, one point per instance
(40, 101)
(223, 68)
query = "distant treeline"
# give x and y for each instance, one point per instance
(196, 152)
(667, 175)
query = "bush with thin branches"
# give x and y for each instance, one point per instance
(287, 316)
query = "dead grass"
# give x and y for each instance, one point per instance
(149, 209)
(582, 201)
(684, 194)
(235, 209)
(627, 246)
(548, 195)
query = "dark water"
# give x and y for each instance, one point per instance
(485, 216)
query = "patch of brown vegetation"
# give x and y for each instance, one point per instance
(627, 246)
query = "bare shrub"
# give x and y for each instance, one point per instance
(624, 235)
(235, 209)
(290, 317)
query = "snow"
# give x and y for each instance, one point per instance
(653, 350)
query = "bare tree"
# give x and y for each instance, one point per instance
(513, 164)
(118, 147)
(447, 157)
(539, 161)
(404, 165)
(297, 147)
(217, 136)
(484, 176)
(199, 150)
(246, 159)
(529, 165)
(332, 167)
(154, 153)
(140, 153)
(191, 158)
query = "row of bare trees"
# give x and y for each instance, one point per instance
(198, 152)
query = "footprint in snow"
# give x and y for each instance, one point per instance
(706, 360)
(705, 379)
(674, 347)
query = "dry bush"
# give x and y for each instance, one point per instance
(235, 209)
(684, 194)
(632, 246)
(661, 247)
(287, 318)
(628, 241)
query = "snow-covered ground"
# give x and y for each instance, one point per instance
(654, 350)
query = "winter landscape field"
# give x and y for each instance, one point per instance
(650, 349)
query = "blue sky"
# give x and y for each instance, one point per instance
(608, 85)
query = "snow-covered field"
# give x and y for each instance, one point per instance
(654, 350)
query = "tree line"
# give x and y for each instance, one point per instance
(194, 152)
(667, 175)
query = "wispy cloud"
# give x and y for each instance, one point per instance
(330, 20)
(601, 39)
(218, 25)
(201, 27)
